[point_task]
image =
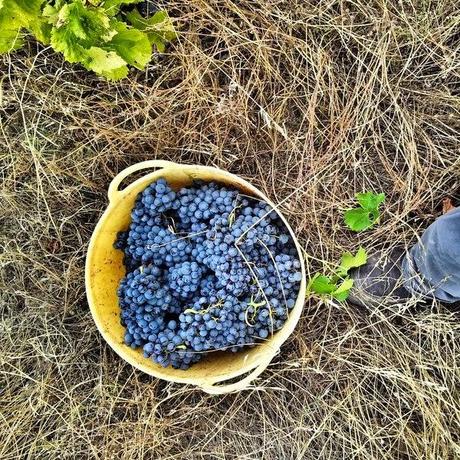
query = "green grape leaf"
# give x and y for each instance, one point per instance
(133, 46)
(41, 29)
(325, 285)
(23, 11)
(370, 201)
(367, 214)
(338, 284)
(86, 31)
(113, 6)
(342, 292)
(350, 261)
(159, 27)
(77, 28)
(321, 284)
(358, 219)
(342, 296)
(16, 15)
(106, 63)
(11, 37)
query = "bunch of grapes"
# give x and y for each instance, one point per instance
(207, 269)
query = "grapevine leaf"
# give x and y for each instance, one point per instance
(78, 28)
(358, 219)
(367, 214)
(113, 6)
(106, 63)
(321, 284)
(16, 15)
(350, 261)
(370, 201)
(342, 296)
(23, 11)
(343, 291)
(10, 36)
(133, 46)
(159, 27)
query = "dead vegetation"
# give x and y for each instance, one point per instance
(311, 101)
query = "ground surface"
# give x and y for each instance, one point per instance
(312, 101)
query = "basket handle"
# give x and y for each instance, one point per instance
(211, 388)
(116, 181)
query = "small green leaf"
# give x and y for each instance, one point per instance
(350, 261)
(321, 284)
(370, 201)
(358, 219)
(324, 285)
(367, 214)
(341, 296)
(133, 46)
(159, 28)
(344, 287)
(113, 6)
(106, 63)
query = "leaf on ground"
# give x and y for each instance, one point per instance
(324, 285)
(370, 201)
(113, 6)
(358, 219)
(133, 46)
(338, 285)
(343, 291)
(367, 214)
(159, 27)
(106, 63)
(321, 284)
(350, 261)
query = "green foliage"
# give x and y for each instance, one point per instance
(350, 261)
(158, 28)
(91, 32)
(338, 284)
(15, 15)
(367, 214)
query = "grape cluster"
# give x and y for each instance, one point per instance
(207, 269)
(184, 279)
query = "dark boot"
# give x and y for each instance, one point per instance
(380, 281)
(429, 270)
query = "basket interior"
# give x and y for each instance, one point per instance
(105, 269)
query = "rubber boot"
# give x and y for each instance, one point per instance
(380, 281)
(429, 270)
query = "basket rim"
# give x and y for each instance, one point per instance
(272, 344)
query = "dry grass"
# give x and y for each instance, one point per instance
(311, 101)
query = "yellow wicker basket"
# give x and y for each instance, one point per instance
(104, 270)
